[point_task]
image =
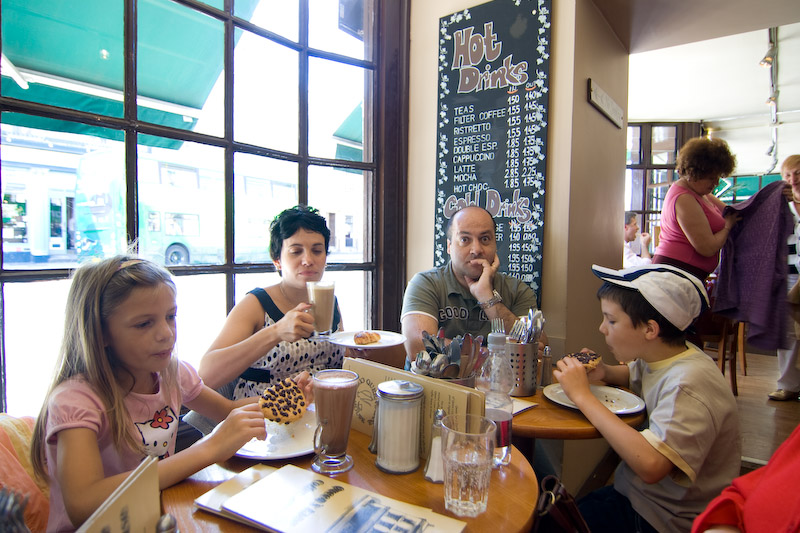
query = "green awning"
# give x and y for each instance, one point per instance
(351, 133)
(74, 53)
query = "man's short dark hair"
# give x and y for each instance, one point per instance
(289, 221)
(640, 311)
(628, 216)
(449, 227)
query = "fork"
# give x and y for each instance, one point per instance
(498, 326)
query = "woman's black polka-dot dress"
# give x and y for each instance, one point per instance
(288, 358)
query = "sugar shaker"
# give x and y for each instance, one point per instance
(399, 412)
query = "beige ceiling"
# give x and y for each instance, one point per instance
(644, 25)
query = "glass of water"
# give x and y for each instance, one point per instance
(468, 455)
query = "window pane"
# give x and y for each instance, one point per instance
(264, 187)
(265, 93)
(657, 188)
(349, 293)
(340, 26)
(60, 191)
(652, 220)
(219, 4)
(30, 349)
(725, 190)
(201, 313)
(179, 59)
(634, 190)
(244, 283)
(337, 131)
(663, 146)
(280, 17)
(745, 187)
(769, 178)
(634, 145)
(340, 197)
(181, 204)
(67, 54)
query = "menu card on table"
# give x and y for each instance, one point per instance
(293, 499)
(437, 394)
(135, 505)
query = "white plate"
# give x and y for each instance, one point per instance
(388, 338)
(284, 440)
(618, 401)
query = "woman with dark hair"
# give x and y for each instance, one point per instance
(693, 229)
(266, 335)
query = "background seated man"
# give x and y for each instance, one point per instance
(464, 295)
(629, 257)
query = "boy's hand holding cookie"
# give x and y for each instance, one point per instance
(572, 376)
(589, 359)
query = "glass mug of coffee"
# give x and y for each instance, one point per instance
(320, 296)
(334, 395)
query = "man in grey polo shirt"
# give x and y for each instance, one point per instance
(464, 295)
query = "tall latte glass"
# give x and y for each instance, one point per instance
(320, 296)
(334, 394)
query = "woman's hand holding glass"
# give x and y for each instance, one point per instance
(296, 324)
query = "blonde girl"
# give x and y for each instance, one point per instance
(118, 390)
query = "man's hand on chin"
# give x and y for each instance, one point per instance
(483, 287)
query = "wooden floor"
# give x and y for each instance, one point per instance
(765, 423)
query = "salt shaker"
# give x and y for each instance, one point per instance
(547, 367)
(399, 411)
(434, 469)
(167, 524)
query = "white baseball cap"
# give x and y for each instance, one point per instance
(679, 296)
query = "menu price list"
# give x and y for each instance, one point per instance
(492, 133)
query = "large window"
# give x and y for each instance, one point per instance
(651, 153)
(184, 127)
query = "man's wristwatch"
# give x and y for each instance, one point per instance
(495, 299)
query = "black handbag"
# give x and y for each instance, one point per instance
(556, 510)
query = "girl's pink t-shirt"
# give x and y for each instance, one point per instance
(74, 404)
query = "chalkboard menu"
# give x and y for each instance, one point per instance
(492, 133)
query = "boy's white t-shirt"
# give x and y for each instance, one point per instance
(692, 419)
(74, 404)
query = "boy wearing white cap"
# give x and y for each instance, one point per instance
(690, 449)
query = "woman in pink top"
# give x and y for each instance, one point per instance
(693, 229)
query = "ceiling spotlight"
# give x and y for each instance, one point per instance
(769, 57)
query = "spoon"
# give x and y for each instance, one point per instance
(451, 371)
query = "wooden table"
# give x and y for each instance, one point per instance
(549, 420)
(512, 494)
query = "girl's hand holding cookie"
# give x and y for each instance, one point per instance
(241, 425)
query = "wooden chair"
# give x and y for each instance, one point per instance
(721, 331)
(741, 333)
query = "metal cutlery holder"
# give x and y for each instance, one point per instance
(523, 358)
